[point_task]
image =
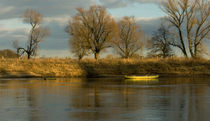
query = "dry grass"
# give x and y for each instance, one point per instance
(91, 67)
(40, 68)
(164, 67)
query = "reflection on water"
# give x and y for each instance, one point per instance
(170, 99)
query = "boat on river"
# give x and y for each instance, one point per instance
(146, 77)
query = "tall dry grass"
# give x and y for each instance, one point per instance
(40, 68)
(143, 66)
(89, 67)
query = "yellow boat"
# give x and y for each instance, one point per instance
(146, 77)
(143, 80)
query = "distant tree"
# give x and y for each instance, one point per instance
(37, 33)
(94, 27)
(190, 18)
(130, 38)
(8, 54)
(159, 43)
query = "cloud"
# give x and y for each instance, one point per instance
(147, 1)
(8, 35)
(114, 3)
(58, 39)
(124, 3)
(19, 34)
(49, 8)
(51, 53)
(60, 20)
(52, 8)
(6, 9)
(149, 25)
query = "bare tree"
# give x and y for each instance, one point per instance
(160, 43)
(94, 27)
(37, 33)
(198, 25)
(130, 38)
(191, 20)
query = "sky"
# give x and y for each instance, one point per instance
(57, 13)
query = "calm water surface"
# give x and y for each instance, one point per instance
(169, 99)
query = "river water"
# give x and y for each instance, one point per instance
(105, 99)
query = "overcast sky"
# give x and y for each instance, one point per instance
(57, 13)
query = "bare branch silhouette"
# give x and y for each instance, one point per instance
(160, 43)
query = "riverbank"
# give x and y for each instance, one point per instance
(65, 68)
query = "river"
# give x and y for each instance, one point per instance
(105, 99)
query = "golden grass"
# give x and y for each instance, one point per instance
(90, 67)
(40, 67)
(164, 67)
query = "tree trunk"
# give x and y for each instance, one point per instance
(182, 43)
(195, 52)
(80, 57)
(96, 56)
(29, 55)
(191, 52)
(190, 43)
(17, 53)
(185, 53)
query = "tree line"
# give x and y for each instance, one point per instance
(93, 30)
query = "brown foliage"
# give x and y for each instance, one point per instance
(32, 16)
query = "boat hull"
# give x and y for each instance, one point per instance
(143, 80)
(142, 77)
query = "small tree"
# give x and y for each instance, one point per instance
(94, 27)
(78, 47)
(78, 44)
(160, 43)
(130, 38)
(37, 33)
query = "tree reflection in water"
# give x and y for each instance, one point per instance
(105, 99)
